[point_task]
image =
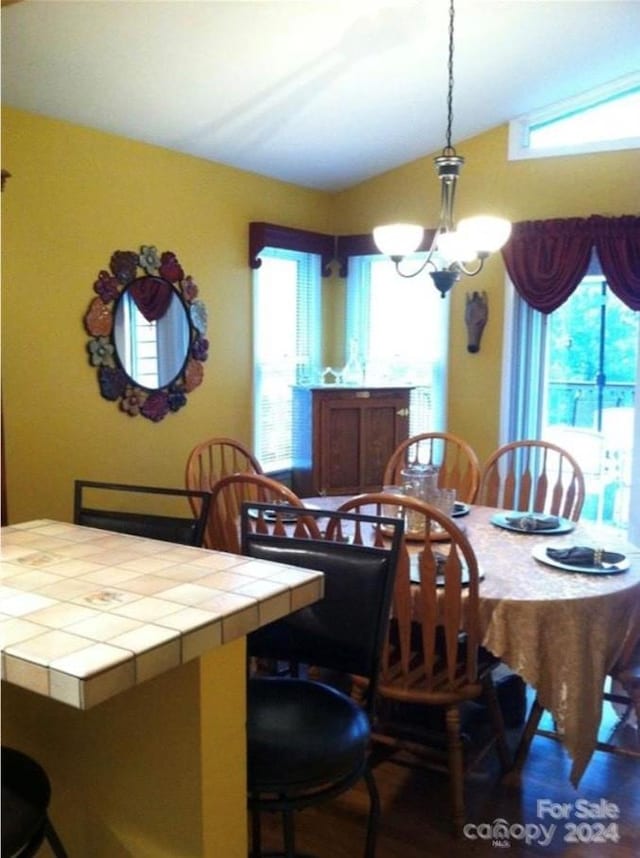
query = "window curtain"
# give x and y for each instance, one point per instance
(547, 259)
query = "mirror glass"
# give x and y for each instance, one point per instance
(151, 351)
(148, 333)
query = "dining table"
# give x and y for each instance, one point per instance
(560, 629)
(124, 675)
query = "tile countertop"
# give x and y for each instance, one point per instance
(86, 614)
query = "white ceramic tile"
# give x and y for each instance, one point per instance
(93, 659)
(197, 642)
(9, 551)
(255, 569)
(47, 647)
(218, 560)
(189, 594)
(239, 624)
(274, 608)
(226, 603)
(29, 580)
(102, 686)
(148, 609)
(184, 572)
(65, 688)
(187, 619)
(14, 630)
(227, 580)
(145, 637)
(25, 603)
(307, 594)
(73, 567)
(106, 598)
(104, 627)
(26, 674)
(62, 615)
(158, 660)
(110, 576)
(66, 589)
(292, 575)
(147, 585)
(146, 564)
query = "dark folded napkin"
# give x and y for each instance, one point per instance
(533, 521)
(582, 556)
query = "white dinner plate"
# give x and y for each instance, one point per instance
(539, 552)
(500, 519)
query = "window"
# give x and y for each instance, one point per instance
(572, 381)
(606, 118)
(399, 329)
(287, 318)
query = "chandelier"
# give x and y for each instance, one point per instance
(455, 249)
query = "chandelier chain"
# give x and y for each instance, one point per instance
(449, 148)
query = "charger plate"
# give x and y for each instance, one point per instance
(285, 517)
(500, 519)
(460, 509)
(418, 535)
(414, 575)
(539, 552)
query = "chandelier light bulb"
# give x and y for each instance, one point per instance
(484, 232)
(398, 239)
(454, 246)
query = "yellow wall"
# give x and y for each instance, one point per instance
(577, 186)
(77, 195)
(74, 197)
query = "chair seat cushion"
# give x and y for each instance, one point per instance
(25, 798)
(302, 734)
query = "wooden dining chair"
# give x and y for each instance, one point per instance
(457, 462)
(533, 476)
(216, 458)
(432, 659)
(227, 496)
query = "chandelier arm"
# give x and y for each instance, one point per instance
(398, 260)
(470, 272)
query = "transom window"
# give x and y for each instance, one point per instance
(606, 118)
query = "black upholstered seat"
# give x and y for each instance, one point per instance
(108, 510)
(26, 793)
(308, 740)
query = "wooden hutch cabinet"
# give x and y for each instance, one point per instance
(343, 437)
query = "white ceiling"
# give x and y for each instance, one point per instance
(322, 94)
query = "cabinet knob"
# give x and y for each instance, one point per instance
(404, 412)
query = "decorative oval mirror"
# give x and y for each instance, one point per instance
(148, 333)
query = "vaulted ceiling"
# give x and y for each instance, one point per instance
(322, 94)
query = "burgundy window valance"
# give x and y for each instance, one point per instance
(547, 259)
(152, 296)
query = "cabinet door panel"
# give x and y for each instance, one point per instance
(339, 447)
(378, 440)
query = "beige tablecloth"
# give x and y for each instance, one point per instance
(560, 631)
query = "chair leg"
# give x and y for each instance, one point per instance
(527, 735)
(374, 814)
(497, 722)
(256, 834)
(289, 834)
(54, 841)
(456, 768)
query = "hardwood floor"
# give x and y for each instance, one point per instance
(415, 811)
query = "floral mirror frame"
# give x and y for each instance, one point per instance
(161, 273)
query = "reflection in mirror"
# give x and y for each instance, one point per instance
(151, 351)
(148, 333)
